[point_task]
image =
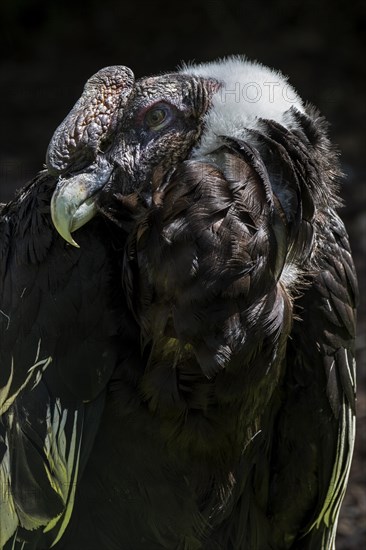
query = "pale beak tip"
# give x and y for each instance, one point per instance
(62, 226)
(73, 242)
(66, 235)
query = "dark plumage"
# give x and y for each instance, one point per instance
(185, 378)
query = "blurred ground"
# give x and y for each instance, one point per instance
(48, 50)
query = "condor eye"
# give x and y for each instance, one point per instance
(157, 117)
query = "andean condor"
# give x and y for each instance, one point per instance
(178, 374)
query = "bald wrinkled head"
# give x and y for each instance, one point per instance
(118, 132)
(159, 125)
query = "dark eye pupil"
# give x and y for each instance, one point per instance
(155, 117)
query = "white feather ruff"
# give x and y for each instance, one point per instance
(249, 91)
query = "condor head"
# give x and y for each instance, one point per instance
(116, 135)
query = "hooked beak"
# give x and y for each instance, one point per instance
(73, 203)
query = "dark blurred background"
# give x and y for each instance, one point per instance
(49, 49)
